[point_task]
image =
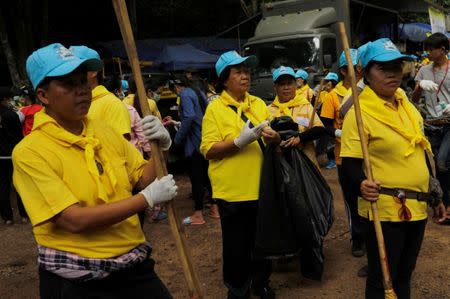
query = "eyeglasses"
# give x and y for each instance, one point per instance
(404, 213)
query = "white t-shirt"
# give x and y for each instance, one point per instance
(431, 98)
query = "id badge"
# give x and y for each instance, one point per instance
(303, 121)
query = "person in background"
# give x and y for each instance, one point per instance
(433, 84)
(10, 136)
(333, 120)
(26, 113)
(301, 77)
(232, 128)
(328, 98)
(138, 140)
(396, 144)
(132, 99)
(125, 88)
(105, 105)
(75, 175)
(288, 102)
(192, 108)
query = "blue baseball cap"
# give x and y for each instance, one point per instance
(361, 50)
(56, 60)
(301, 74)
(353, 57)
(86, 53)
(332, 77)
(125, 85)
(233, 58)
(283, 71)
(382, 50)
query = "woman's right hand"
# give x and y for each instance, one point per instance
(370, 191)
(248, 135)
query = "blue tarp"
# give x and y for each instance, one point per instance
(416, 32)
(181, 57)
(150, 49)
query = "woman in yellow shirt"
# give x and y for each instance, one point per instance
(303, 88)
(394, 130)
(231, 140)
(75, 175)
(289, 103)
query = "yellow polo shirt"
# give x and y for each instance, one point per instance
(236, 177)
(129, 100)
(51, 175)
(306, 91)
(300, 114)
(107, 108)
(387, 154)
(330, 109)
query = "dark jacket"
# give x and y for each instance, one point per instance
(10, 130)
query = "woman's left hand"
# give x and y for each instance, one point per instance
(270, 136)
(293, 141)
(440, 213)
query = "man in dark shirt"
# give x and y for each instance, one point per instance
(10, 135)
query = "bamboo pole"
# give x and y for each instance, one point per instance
(123, 19)
(387, 281)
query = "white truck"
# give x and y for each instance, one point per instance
(304, 34)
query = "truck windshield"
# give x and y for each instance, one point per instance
(296, 53)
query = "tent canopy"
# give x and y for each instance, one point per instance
(150, 49)
(181, 57)
(416, 32)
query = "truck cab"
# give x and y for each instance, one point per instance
(304, 34)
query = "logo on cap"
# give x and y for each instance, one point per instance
(65, 53)
(388, 45)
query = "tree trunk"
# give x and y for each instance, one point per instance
(44, 28)
(10, 59)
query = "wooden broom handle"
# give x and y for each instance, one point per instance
(157, 157)
(387, 282)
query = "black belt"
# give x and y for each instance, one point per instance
(406, 194)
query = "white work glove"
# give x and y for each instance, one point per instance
(428, 85)
(248, 135)
(446, 110)
(154, 130)
(338, 133)
(160, 191)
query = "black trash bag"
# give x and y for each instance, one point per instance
(282, 210)
(285, 126)
(320, 210)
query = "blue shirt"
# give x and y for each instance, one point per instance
(191, 116)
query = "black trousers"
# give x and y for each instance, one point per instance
(198, 174)
(240, 269)
(350, 193)
(6, 172)
(443, 177)
(139, 281)
(403, 241)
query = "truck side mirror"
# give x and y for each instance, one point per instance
(327, 61)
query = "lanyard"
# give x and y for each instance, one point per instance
(442, 81)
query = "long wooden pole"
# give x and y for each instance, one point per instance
(387, 281)
(130, 45)
(316, 104)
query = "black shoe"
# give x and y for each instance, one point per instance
(358, 248)
(264, 292)
(364, 271)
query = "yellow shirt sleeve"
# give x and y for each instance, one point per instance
(135, 163)
(122, 121)
(154, 108)
(44, 193)
(327, 107)
(210, 131)
(350, 141)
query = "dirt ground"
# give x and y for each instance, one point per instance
(18, 272)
